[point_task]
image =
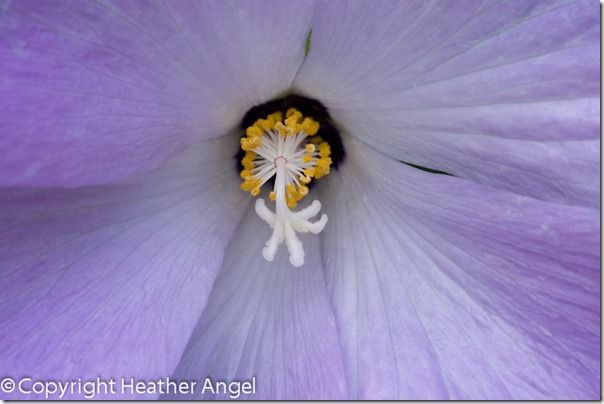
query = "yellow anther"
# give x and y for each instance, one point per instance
(250, 183)
(246, 186)
(324, 149)
(292, 123)
(310, 171)
(323, 167)
(244, 174)
(303, 191)
(280, 128)
(272, 196)
(252, 179)
(310, 147)
(292, 119)
(245, 144)
(293, 112)
(265, 124)
(283, 130)
(248, 160)
(304, 179)
(324, 162)
(321, 174)
(255, 191)
(275, 117)
(292, 200)
(253, 131)
(309, 126)
(255, 142)
(307, 158)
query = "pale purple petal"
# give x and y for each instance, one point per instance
(92, 92)
(444, 288)
(110, 281)
(502, 92)
(267, 320)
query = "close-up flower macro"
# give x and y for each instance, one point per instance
(300, 200)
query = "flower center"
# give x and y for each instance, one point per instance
(289, 150)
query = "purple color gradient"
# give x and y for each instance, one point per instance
(128, 250)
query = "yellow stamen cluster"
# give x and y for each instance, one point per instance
(255, 133)
(315, 161)
(296, 123)
(250, 182)
(324, 162)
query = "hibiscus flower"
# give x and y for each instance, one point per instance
(456, 252)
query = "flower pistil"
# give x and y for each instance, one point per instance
(288, 150)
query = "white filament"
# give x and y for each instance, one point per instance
(284, 158)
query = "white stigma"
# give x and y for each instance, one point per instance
(284, 157)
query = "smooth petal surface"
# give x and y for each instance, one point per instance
(110, 281)
(267, 320)
(444, 288)
(502, 92)
(92, 92)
